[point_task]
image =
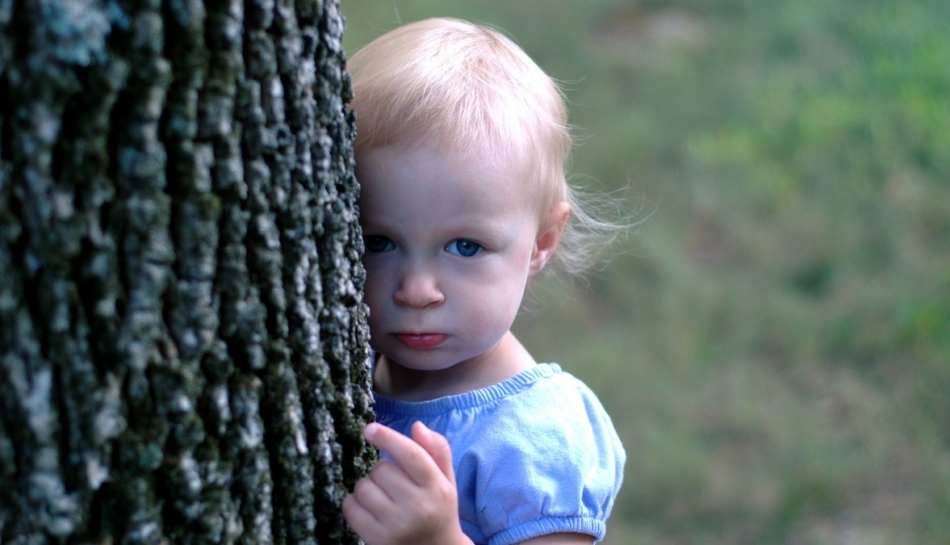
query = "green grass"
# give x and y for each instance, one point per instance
(774, 340)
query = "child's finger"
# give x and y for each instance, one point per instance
(373, 496)
(363, 522)
(438, 448)
(414, 460)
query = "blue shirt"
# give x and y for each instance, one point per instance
(533, 455)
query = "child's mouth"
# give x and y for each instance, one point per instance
(421, 341)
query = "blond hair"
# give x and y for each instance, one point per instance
(467, 88)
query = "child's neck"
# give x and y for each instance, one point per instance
(503, 361)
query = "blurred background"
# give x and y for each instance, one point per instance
(773, 339)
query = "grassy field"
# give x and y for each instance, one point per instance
(773, 340)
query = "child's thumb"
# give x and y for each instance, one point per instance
(437, 446)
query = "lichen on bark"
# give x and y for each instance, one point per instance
(183, 342)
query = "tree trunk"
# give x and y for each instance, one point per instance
(182, 334)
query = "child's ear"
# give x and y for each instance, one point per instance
(549, 236)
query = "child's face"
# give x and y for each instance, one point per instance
(450, 244)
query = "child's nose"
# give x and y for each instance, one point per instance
(418, 289)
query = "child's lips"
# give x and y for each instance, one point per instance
(421, 341)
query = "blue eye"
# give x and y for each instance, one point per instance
(463, 247)
(377, 243)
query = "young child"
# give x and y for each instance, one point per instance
(460, 154)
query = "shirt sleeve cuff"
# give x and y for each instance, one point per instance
(551, 525)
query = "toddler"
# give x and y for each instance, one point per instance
(460, 152)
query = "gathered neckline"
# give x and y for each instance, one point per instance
(467, 400)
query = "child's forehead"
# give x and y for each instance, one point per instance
(480, 159)
(500, 158)
(475, 174)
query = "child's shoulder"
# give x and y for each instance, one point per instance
(555, 407)
(546, 457)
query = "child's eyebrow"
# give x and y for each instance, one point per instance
(477, 232)
(461, 230)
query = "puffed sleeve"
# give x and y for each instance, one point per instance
(551, 463)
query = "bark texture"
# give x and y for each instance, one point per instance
(182, 333)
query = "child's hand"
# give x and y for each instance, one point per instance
(412, 502)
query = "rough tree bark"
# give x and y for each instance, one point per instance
(182, 334)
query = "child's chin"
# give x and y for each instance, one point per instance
(431, 359)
